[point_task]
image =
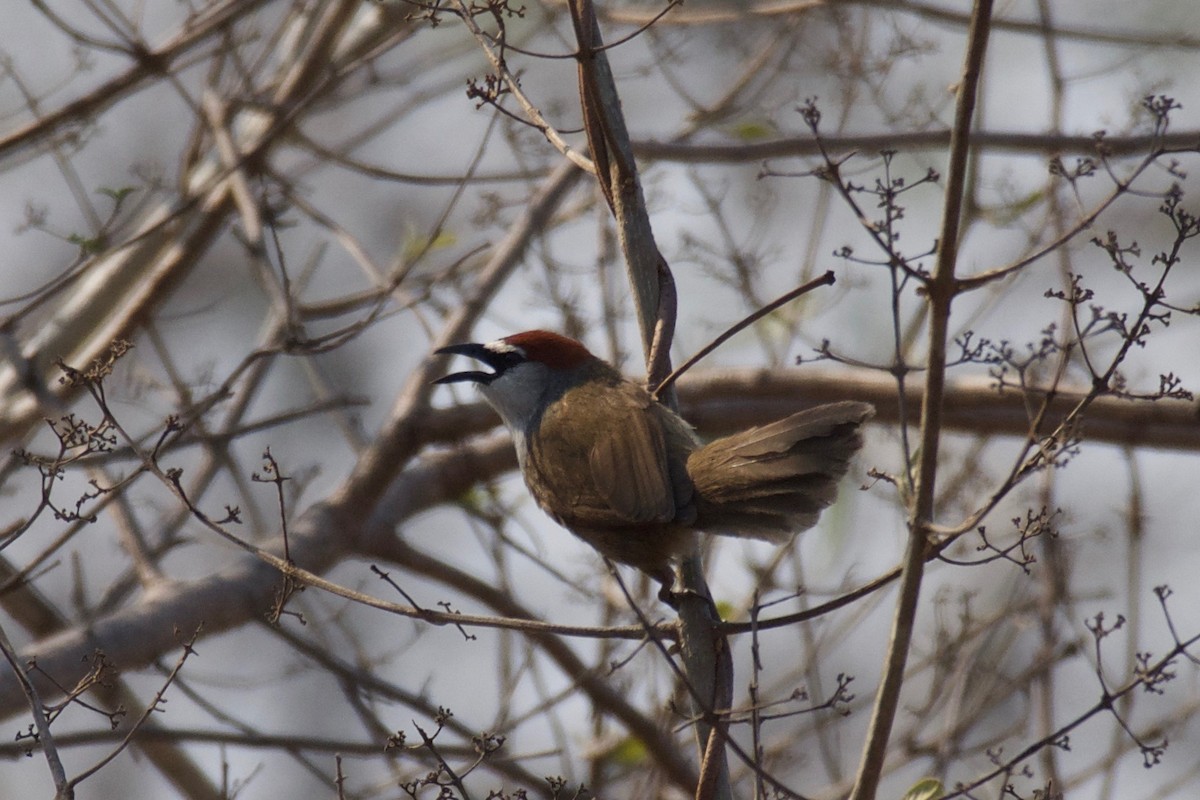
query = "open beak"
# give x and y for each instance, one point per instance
(471, 350)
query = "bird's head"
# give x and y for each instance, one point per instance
(528, 371)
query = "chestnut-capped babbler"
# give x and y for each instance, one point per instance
(630, 477)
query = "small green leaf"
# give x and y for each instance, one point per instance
(89, 245)
(629, 752)
(473, 501)
(924, 789)
(753, 130)
(117, 194)
(417, 244)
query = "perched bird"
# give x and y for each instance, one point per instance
(630, 477)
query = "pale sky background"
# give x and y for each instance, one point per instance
(219, 308)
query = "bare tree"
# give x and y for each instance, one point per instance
(248, 551)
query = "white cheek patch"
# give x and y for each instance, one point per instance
(516, 394)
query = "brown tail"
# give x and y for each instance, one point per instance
(770, 482)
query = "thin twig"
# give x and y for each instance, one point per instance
(154, 705)
(45, 738)
(825, 280)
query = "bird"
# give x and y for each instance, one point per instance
(631, 477)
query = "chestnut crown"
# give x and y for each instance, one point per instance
(530, 371)
(547, 348)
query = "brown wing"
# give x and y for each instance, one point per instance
(601, 459)
(628, 466)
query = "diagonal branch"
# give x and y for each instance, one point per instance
(704, 649)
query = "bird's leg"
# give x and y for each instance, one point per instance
(666, 577)
(674, 598)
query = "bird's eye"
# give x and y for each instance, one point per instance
(510, 359)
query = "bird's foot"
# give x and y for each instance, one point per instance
(675, 598)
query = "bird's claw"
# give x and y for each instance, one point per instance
(674, 598)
